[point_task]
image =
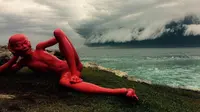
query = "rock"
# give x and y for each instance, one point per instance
(6, 96)
(98, 67)
(5, 54)
(3, 48)
(132, 78)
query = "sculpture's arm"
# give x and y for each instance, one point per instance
(8, 64)
(45, 44)
(16, 67)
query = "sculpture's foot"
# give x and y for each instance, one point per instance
(131, 94)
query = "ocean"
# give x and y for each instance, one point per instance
(175, 67)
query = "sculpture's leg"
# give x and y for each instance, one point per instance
(79, 65)
(90, 88)
(77, 60)
(68, 51)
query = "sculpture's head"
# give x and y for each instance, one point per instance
(19, 45)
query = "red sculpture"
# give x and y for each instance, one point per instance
(69, 69)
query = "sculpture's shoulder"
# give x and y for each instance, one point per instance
(38, 53)
(39, 46)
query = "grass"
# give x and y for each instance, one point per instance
(38, 92)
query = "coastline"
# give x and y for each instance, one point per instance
(119, 73)
(122, 74)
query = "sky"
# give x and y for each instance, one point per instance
(81, 20)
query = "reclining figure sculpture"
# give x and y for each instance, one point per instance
(69, 70)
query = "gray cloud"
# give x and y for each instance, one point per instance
(34, 19)
(97, 21)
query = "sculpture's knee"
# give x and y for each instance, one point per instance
(58, 33)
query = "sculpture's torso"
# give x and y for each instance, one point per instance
(42, 61)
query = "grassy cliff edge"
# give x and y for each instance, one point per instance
(36, 92)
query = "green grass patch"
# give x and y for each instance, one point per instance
(39, 92)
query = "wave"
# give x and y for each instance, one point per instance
(181, 33)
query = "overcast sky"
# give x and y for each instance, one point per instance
(119, 20)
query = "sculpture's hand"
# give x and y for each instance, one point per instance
(9, 64)
(75, 79)
(131, 94)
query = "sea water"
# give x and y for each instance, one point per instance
(176, 67)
